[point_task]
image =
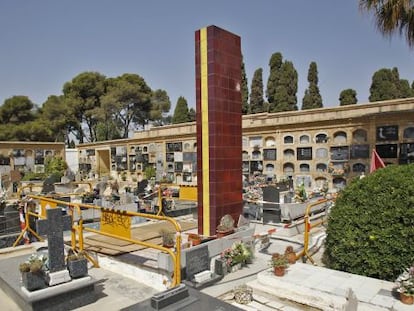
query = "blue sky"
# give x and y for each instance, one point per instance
(45, 43)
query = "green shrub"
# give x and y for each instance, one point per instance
(371, 227)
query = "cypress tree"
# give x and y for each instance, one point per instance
(244, 90)
(385, 85)
(256, 93)
(285, 93)
(275, 64)
(348, 97)
(312, 98)
(181, 113)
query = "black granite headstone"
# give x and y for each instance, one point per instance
(271, 211)
(2, 224)
(53, 227)
(197, 260)
(12, 220)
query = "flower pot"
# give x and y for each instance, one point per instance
(291, 257)
(406, 299)
(235, 267)
(33, 281)
(78, 268)
(221, 234)
(279, 271)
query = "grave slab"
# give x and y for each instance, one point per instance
(195, 301)
(66, 296)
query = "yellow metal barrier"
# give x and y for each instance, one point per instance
(188, 193)
(78, 229)
(305, 252)
(27, 228)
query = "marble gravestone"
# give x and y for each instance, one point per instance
(53, 227)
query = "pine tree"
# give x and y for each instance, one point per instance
(348, 97)
(256, 93)
(312, 98)
(244, 90)
(181, 114)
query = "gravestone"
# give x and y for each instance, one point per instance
(197, 268)
(197, 260)
(53, 226)
(271, 211)
(2, 224)
(12, 220)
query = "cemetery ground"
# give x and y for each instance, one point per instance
(121, 283)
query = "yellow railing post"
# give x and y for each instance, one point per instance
(305, 252)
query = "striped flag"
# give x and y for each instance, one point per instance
(376, 161)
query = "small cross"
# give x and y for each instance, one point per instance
(53, 226)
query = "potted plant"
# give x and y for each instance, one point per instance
(290, 254)
(33, 272)
(226, 226)
(405, 286)
(237, 255)
(279, 263)
(77, 264)
(167, 238)
(194, 238)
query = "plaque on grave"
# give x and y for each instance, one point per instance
(387, 151)
(271, 211)
(339, 153)
(406, 153)
(269, 154)
(385, 133)
(359, 151)
(304, 153)
(197, 260)
(11, 219)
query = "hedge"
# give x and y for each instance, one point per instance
(371, 226)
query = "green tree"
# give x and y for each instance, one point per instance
(82, 96)
(130, 99)
(285, 99)
(55, 115)
(17, 110)
(181, 111)
(273, 82)
(192, 114)
(55, 165)
(256, 92)
(160, 106)
(386, 84)
(392, 16)
(348, 97)
(244, 90)
(312, 98)
(370, 227)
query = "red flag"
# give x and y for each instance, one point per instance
(376, 161)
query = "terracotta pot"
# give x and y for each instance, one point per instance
(406, 299)
(279, 271)
(291, 257)
(221, 234)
